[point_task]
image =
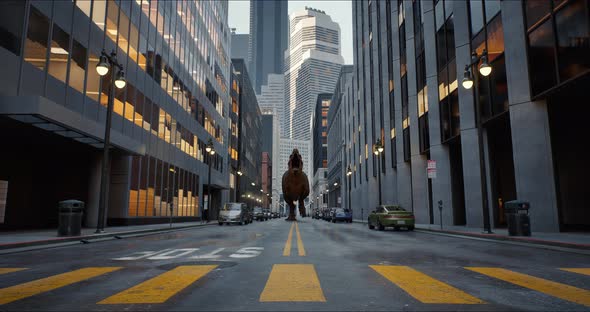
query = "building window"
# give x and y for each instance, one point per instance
(84, 6)
(566, 49)
(447, 73)
(78, 66)
(93, 79)
(99, 9)
(37, 39)
(58, 54)
(11, 25)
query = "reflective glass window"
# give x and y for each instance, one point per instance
(93, 79)
(12, 14)
(112, 18)
(58, 53)
(573, 39)
(492, 8)
(99, 9)
(84, 6)
(541, 51)
(77, 66)
(476, 14)
(124, 33)
(37, 39)
(536, 11)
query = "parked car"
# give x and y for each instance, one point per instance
(275, 214)
(233, 213)
(391, 216)
(327, 214)
(341, 214)
(259, 214)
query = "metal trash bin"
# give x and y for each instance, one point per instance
(70, 217)
(517, 217)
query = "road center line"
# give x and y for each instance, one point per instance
(300, 247)
(287, 250)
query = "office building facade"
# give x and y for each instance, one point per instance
(320, 143)
(249, 138)
(52, 99)
(268, 39)
(411, 58)
(336, 144)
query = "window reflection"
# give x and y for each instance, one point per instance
(93, 80)
(37, 36)
(77, 66)
(58, 53)
(573, 39)
(84, 6)
(112, 17)
(542, 56)
(99, 8)
(11, 21)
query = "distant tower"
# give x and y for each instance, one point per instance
(268, 39)
(313, 64)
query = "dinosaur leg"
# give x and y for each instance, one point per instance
(291, 211)
(301, 208)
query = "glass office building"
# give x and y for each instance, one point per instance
(53, 108)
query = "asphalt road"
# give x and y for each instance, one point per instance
(324, 266)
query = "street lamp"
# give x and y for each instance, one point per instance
(210, 152)
(378, 150)
(349, 175)
(117, 80)
(240, 173)
(485, 70)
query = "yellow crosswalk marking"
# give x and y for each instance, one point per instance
(10, 270)
(300, 247)
(558, 290)
(292, 282)
(162, 287)
(287, 250)
(21, 291)
(423, 287)
(585, 271)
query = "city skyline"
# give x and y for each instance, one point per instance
(340, 11)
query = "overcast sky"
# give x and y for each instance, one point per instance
(340, 12)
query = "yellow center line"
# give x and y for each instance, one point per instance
(423, 287)
(10, 270)
(287, 250)
(292, 282)
(39, 286)
(162, 287)
(585, 271)
(562, 291)
(300, 247)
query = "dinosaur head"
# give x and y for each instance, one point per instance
(295, 160)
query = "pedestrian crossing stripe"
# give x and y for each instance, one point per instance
(562, 291)
(162, 287)
(10, 270)
(585, 271)
(39, 286)
(292, 283)
(423, 287)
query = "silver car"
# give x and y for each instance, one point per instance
(233, 213)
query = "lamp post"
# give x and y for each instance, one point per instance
(378, 150)
(349, 175)
(117, 80)
(210, 152)
(240, 173)
(173, 193)
(485, 70)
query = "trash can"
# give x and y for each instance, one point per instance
(70, 217)
(517, 217)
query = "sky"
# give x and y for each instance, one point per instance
(340, 11)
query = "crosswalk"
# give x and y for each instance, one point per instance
(297, 283)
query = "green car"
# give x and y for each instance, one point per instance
(391, 216)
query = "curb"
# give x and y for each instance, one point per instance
(519, 239)
(87, 238)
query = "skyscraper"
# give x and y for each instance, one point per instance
(313, 64)
(268, 39)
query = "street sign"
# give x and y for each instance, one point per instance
(431, 169)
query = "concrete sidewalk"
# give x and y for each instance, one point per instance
(28, 238)
(577, 240)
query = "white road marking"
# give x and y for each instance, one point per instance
(247, 252)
